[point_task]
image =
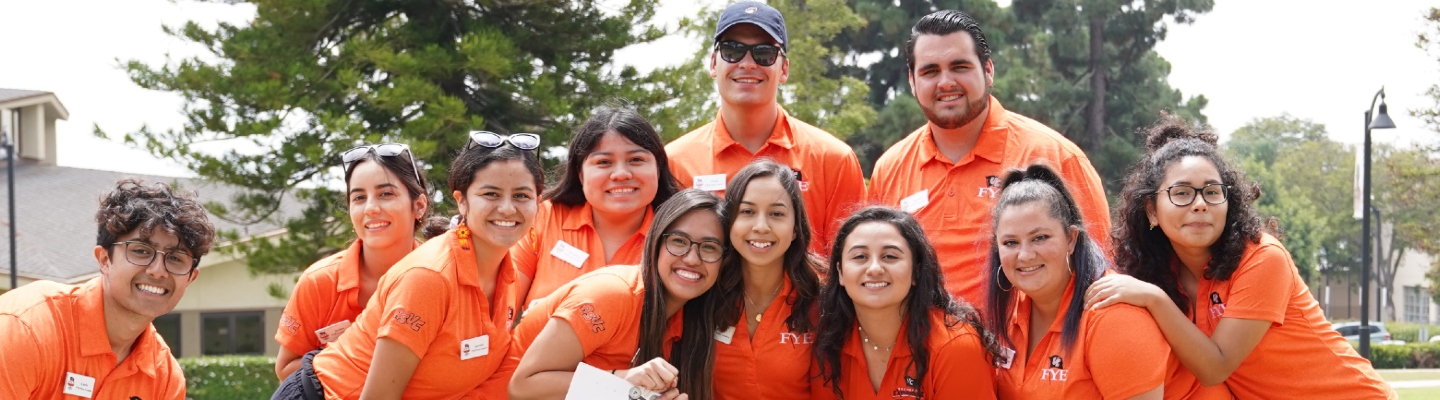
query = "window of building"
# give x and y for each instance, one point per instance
(168, 326)
(1417, 304)
(232, 333)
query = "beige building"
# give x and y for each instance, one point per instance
(225, 311)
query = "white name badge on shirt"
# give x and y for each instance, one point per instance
(331, 333)
(725, 336)
(916, 201)
(570, 254)
(1006, 356)
(710, 182)
(79, 385)
(474, 347)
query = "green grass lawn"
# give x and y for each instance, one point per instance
(1430, 393)
(1395, 375)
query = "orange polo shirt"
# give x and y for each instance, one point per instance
(1118, 353)
(431, 303)
(603, 307)
(830, 179)
(564, 235)
(773, 364)
(326, 294)
(52, 332)
(1300, 356)
(959, 368)
(957, 196)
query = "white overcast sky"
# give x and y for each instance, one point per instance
(1319, 60)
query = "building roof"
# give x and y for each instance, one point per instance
(13, 98)
(55, 217)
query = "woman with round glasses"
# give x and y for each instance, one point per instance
(767, 313)
(386, 197)
(648, 324)
(438, 324)
(888, 329)
(1041, 262)
(1226, 295)
(615, 175)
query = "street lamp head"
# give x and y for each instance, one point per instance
(1382, 120)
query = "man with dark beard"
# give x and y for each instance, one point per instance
(945, 173)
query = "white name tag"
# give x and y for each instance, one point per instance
(474, 347)
(725, 336)
(79, 385)
(916, 201)
(710, 182)
(570, 254)
(331, 333)
(1006, 356)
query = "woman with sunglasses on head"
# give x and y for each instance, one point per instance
(614, 177)
(438, 324)
(1041, 262)
(648, 324)
(386, 196)
(1227, 296)
(888, 328)
(767, 312)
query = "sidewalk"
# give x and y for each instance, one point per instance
(1426, 378)
(1414, 384)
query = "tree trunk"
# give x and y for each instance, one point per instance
(1095, 123)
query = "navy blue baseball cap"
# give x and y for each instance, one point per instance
(754, 13)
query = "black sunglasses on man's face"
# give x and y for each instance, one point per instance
(764, 54)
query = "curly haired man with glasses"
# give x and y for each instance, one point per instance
(95, 340)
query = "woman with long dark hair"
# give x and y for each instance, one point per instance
(1041, 262)
(888, 328)
(648, 324)
(437, 326)
(767, 311)
(1226, 295)
(385, 193)
(614, 177)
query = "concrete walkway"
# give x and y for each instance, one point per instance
(1410, 384)
(1414, 384)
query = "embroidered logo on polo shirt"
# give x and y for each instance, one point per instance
(587, 311)
(1217, 306)
(796, 338)
(407, 319)
(908, 392)
(800, 180)
(290, 324)
(990, 189)
(1056, 372)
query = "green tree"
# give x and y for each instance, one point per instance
(1419, 172)
(305, 80)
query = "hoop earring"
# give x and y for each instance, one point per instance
(997, 280)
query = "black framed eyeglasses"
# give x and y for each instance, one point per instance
(764, 54)
(523, 141)
(678, 245)
(1184, 195)
(143, 254)
(350, 157)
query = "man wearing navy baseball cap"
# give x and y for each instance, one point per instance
(749, 60)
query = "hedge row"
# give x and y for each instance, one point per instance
(229, 377)
(1409, 355)
(1410, 332)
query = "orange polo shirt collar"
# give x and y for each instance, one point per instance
(91, 319)
(585, 216)
(779, 136)
(1020, 316)
(990, 146)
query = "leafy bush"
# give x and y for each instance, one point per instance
(1410, 355)
(1410, 332)
(229, 377)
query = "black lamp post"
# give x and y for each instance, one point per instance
(1381, 121)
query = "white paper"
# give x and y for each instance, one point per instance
(474, 347)
(79, 385)
(725, 336)
(916, 201)
(331, 333)
(570, 254)
(590, 383)
(710, 182)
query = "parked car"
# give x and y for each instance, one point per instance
(1351, 331)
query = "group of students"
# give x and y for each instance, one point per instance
(776, 275)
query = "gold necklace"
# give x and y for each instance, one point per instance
(874, 346)
(772, 299)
